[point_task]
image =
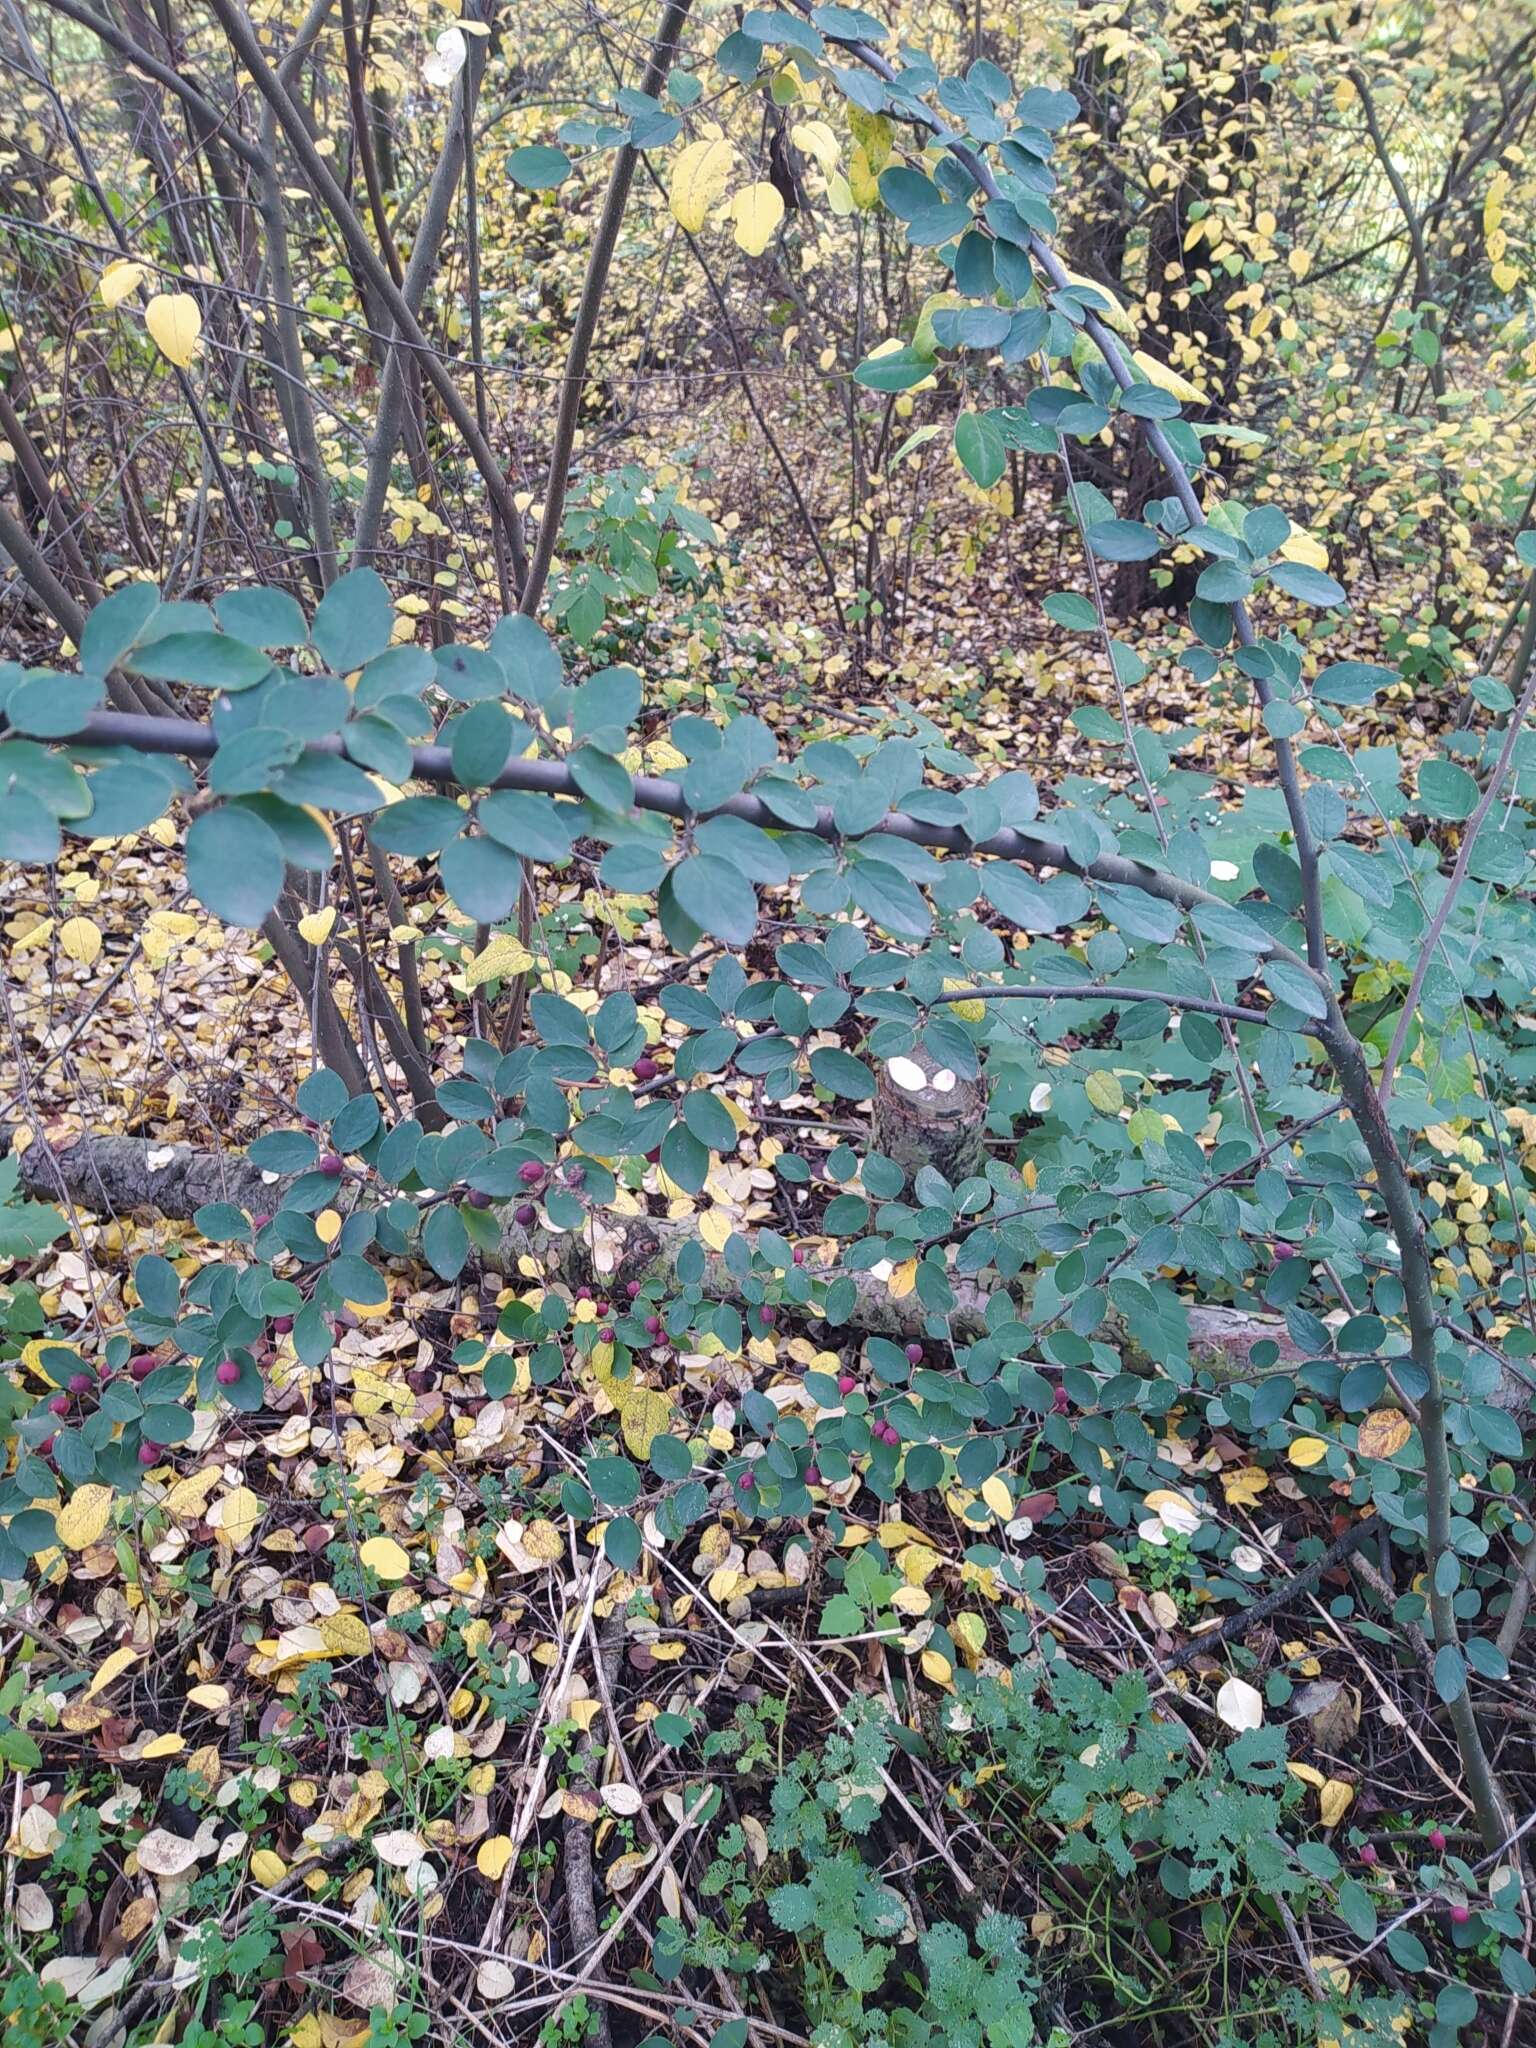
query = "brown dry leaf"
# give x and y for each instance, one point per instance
(1383, 1433)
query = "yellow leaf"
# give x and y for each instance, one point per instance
(715, 1227)
(1103, 1090)
(111, 1669)
(818, 141)
(970, 1632)
(1106, 305)
(119, 279)
(174, 322)
(1243, 1487)
(267, 1867)
(188, 1497)
(1307, 1451)
(757, 211)
(80, 940)
(699, 175)
(493, 1856)
(1307, 1774)
(328, 1226)
(937, 1668)
(903, 1279)
(1334, 1801)
(383, 1555)
(1383, 1433)
(644, 1414)
(345, 1635)
(214, 1698)
(239, 1511)
(1299, 263)
(999, 1499)
(1301, 546)
(505, 956)
(316, 928)
(165, 1745)
(917, 1562)
(83, 1516)
(1165, 379)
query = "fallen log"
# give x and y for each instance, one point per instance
(121, 1176)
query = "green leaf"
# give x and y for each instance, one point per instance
(418, 826)
(445, 1241)
(533, 826)
(482, 878)
(980, 446)
(115, 624)
(1122, 540)
(210, 661)
(1450, 1673)
(354, 622)
(1068, 609)
(262, 617)
(1310, 585)
(614, 1481)
(1296, 987)
(840, 1072)
(234, 864)
(1446, 791)
(28, 829)
(897, 371)
(716, 896)
(51, 707)
(538, 166)
(482, 740)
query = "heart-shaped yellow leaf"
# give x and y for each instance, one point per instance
(757, 211)
(175, 321)
(118, 280)
(316, 928)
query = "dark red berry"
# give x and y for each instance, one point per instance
(80, 1383)
(914, 1354)
(653, 1326)
(331, 1164)
(149, 1454)
(282, 1325)
(799, 1254)
(846, 1383)
(531, 1173)
(632, 1289)
(812, 1476)
(583, 1294)
(59, 1405)
(45, 1448)
(478, 1199)
(142, 1366)
(226, 1372)
(1437, 1840)
(1460, 1914)
(746, 1482)
(768, 1314)
(260, 1222)
(1060, 1402)
(1368, 1855)
(604, 1308)
(605, 1333)
(646, 1068)
(654, 1155)
(525, 1215)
